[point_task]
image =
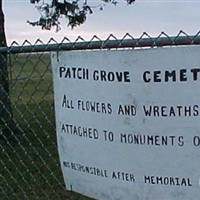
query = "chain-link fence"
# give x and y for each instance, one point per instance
(29, 159)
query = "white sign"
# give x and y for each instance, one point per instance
(128, 122)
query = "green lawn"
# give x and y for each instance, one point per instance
(29, 161)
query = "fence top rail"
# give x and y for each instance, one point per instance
(111, 43)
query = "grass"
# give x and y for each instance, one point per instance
(29, 162)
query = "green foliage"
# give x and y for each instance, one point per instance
(75, 12)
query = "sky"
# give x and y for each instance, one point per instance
(151, 16)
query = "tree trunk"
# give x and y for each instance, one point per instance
(6, 117)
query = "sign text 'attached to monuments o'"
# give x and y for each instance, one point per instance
(128, 122)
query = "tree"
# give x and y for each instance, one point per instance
(6, 122)
(75, 11)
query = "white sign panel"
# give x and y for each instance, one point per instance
(128, 122)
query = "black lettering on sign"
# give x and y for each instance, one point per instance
(84, 132)
(124, 176)
(110, 76)
(152, 140)
(92, 106)
(181, 75)
(196, 141)
(108, 136)
(67, 103)
(170, 75)
(171, 111)
(159, 180)
(128, 110)
(73, 72)
(86, 169)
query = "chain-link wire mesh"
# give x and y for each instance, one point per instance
(29, 159)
